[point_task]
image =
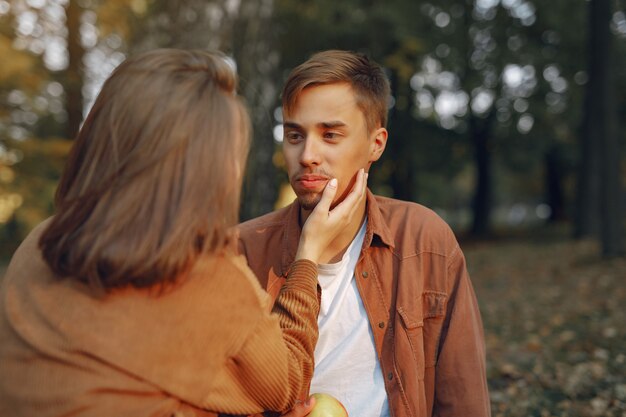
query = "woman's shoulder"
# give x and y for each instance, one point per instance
(231, 275)
(31, 241)
(27, 258)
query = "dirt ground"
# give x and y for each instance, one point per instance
(555, 324)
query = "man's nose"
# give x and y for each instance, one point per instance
(310, 153)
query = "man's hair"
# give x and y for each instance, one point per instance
(153, 179)
(366, 77)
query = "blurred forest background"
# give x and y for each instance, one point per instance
(507, 118)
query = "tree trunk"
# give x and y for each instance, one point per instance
(599, 201)
(74, 72)
(257, 64)
(402, 178)
(480, 131)
(554, 186)
(607, 130)
(588, 213)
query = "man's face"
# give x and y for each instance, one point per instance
(326, 136)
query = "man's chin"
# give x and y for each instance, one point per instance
(308, 202)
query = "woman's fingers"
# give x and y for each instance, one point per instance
(301, 409)
(349, 205)
(323, 206)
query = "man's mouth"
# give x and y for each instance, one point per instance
(312, 181)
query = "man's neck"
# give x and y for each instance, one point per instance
(338, 246)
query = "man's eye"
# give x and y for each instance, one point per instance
(331, 135)
(293, 136)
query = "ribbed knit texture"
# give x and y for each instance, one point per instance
(209, 344)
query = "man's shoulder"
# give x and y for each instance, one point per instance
(415, 213)
(416, 228)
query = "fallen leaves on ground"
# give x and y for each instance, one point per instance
(555, 327)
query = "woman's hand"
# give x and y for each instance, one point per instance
(323, 224)
(301, 409)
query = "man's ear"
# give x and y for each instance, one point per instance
(377, 146)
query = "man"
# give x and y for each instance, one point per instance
(400, 330)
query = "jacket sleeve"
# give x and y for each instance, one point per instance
(461, 382)
(276, 363)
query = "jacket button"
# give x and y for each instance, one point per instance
(365, 274)
(381, 324)
(390, 376)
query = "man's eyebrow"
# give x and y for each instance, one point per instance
(292, 125)
(326, 125)
(332, 124)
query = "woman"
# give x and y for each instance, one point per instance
(130, 300)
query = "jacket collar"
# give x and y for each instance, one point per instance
(377, 228)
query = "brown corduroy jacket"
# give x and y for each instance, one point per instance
(413, 281)
(207, 344)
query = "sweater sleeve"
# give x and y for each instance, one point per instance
(275, 363)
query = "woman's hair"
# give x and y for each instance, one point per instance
(153, 180)
(367, 79)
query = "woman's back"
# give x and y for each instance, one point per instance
(136, 352)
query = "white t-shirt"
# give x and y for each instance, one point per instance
(346, 364)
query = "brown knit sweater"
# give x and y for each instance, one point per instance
(208, 344)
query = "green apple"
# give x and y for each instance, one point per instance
(327, 406)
